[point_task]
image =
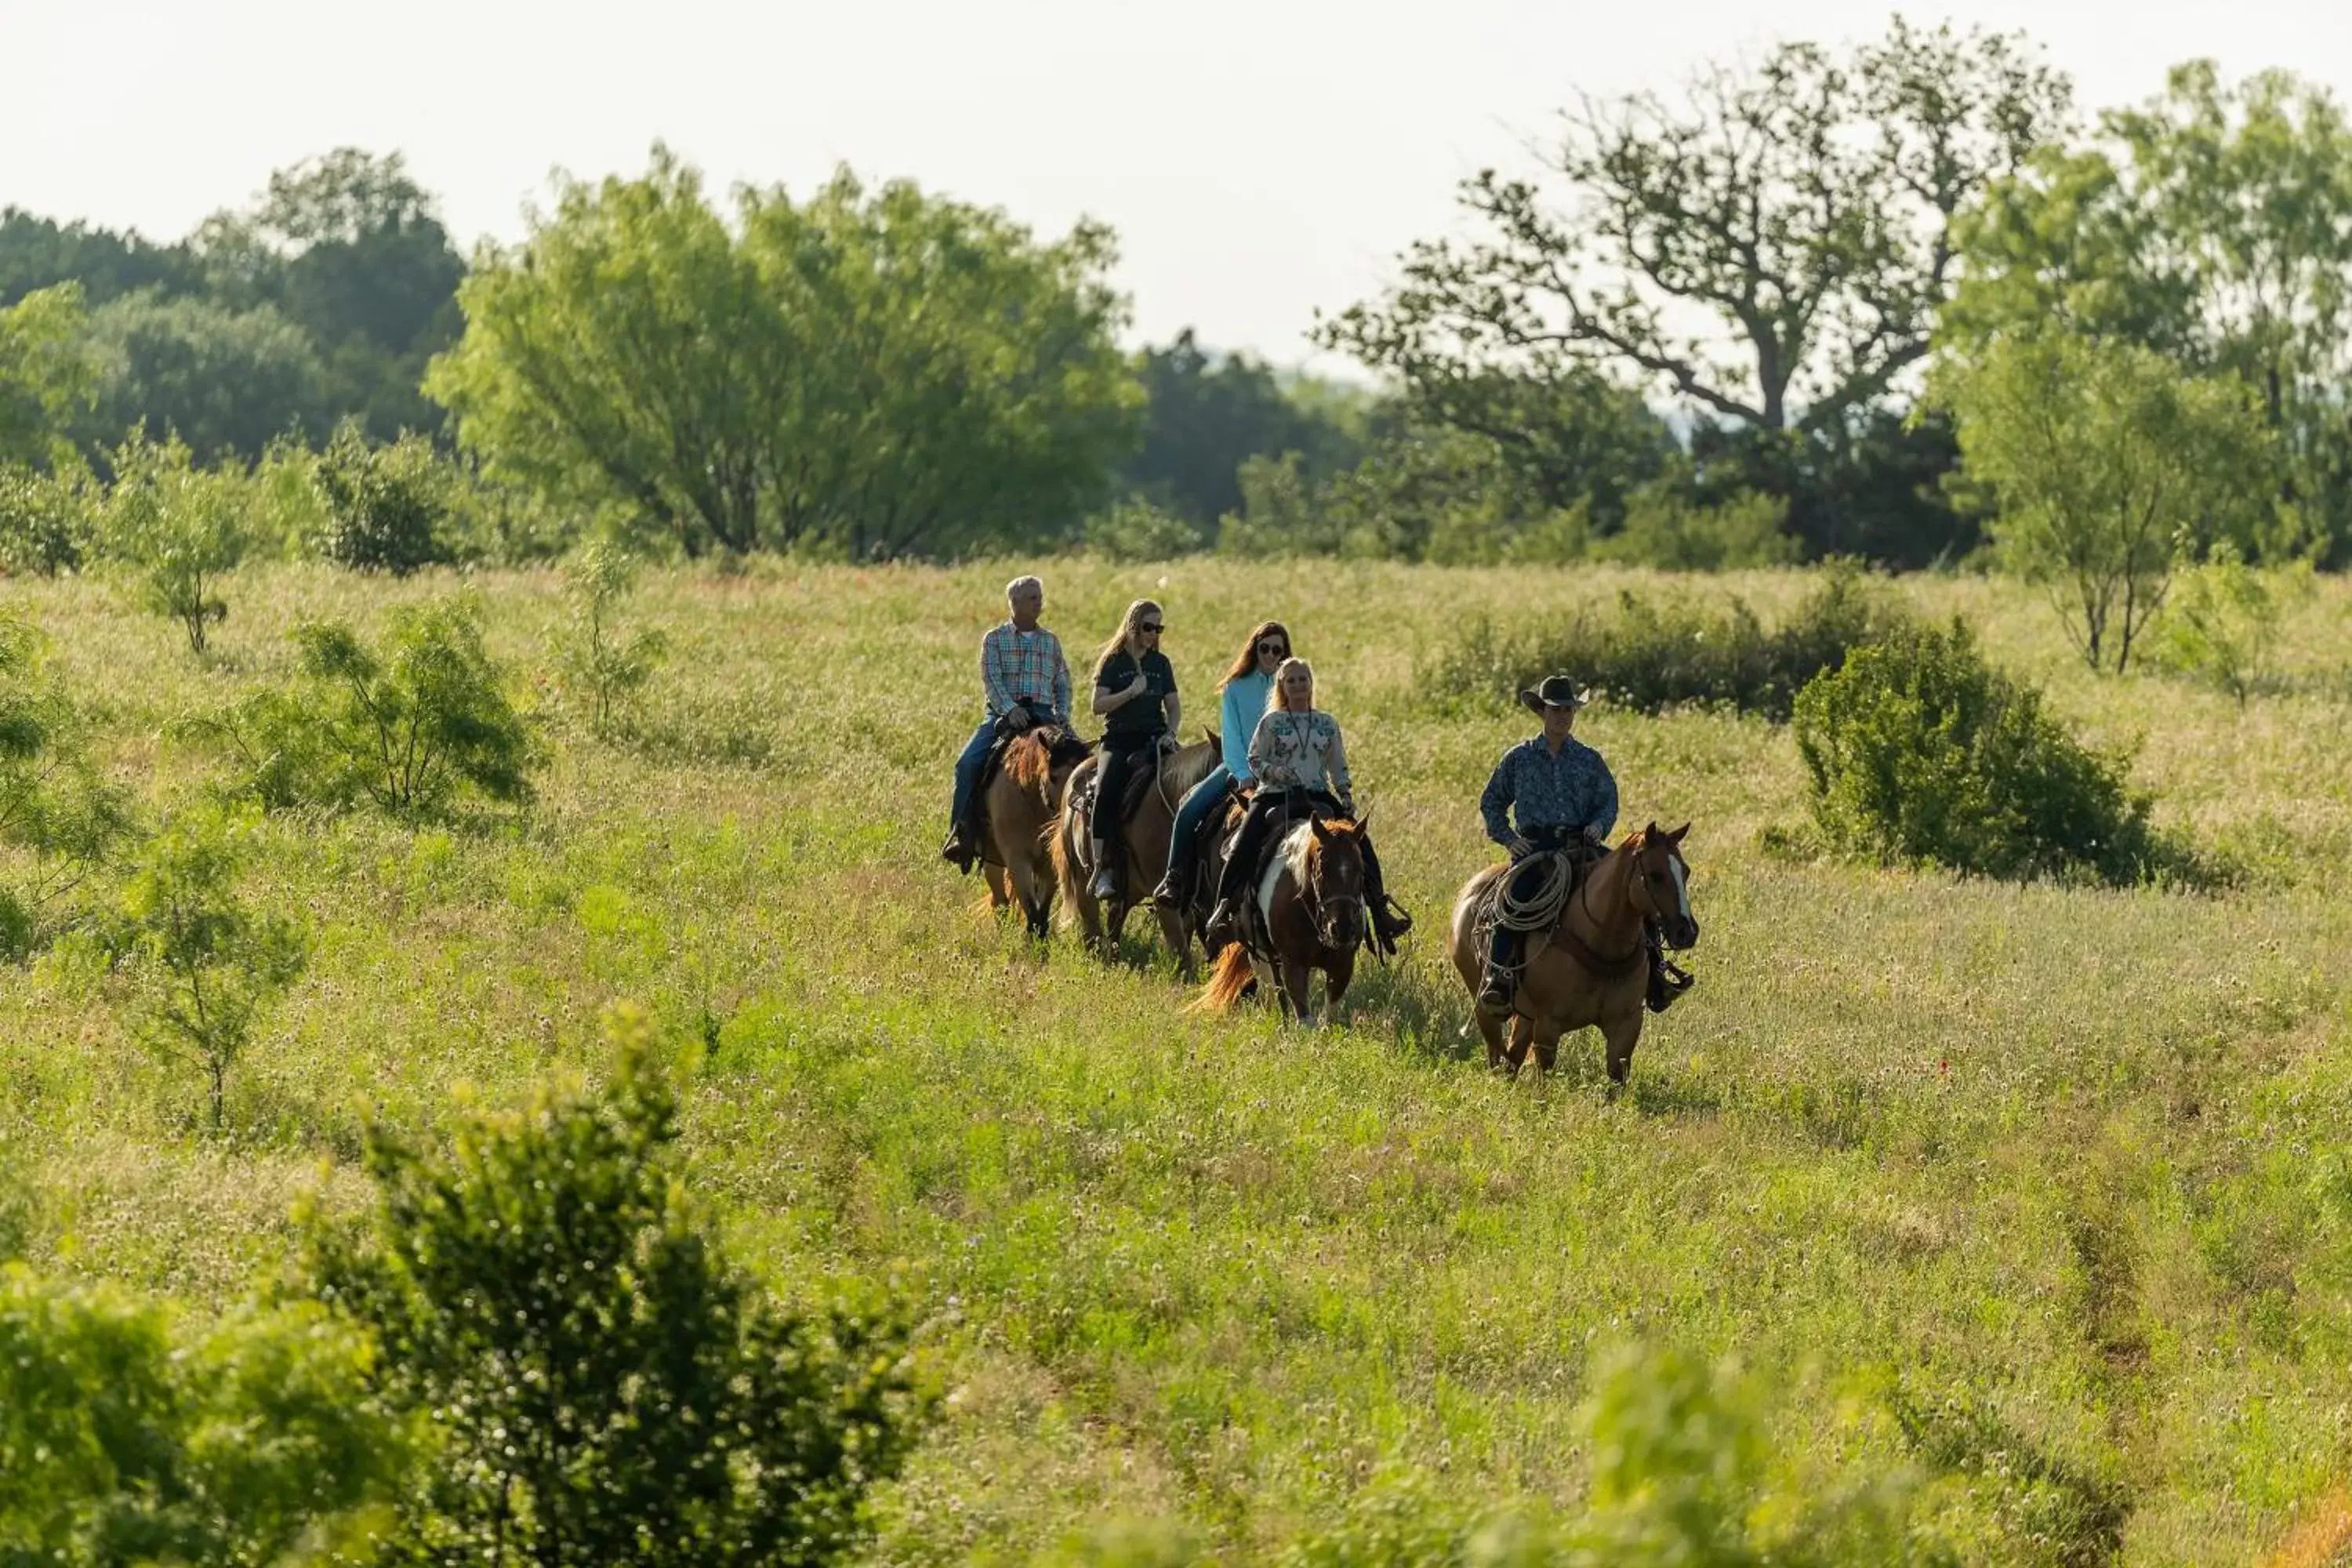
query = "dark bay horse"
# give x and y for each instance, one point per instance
(1145, 841)
(1592, 967)
(1023, 801)
(1310, 903)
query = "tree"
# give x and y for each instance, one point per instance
(222, 381)
(601, 1383)
(349, 247)
(2104, 460)
(46, 372)
(180, 528)
(40, 253)
(2222, 626)
(2213, 225)
(605, 668)
(209, 962)
(1772, 250)
(1205, 412)
(128, 1435)
(876, 374)
(386, 508)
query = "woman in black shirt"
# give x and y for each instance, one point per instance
(1135, 693)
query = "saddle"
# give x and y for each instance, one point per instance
(1141, 782)
(1251, 920)
(1568, 864)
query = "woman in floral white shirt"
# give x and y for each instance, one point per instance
(1296, 747)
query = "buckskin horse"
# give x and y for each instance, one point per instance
(1023, 801)
(1146, 845)
(1311, 906)
(1591, 966)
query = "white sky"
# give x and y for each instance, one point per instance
(1257, 159)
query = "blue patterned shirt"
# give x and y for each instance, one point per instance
(1573, 790)
(1015, 664)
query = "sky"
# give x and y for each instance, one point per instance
(1259, 161)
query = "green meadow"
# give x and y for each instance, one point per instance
(2035, 1198)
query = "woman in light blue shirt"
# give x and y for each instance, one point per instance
(1247, 686)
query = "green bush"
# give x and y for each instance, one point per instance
(2222, 626)
(180, 528)
(411, 728)
(207, 962)
(598, 1383)
(60, 821)
(386, 507)
(48, 521)
(1919, 750)
(1135, 528)
(603, 670)
(128, 1438)
(1667, 529)
(1651, 654)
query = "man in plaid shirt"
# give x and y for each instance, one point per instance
(1026, 681)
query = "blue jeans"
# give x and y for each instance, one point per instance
(1199, 801)
(967, 771)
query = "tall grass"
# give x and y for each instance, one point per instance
(2036, 1194)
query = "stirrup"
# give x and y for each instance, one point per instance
(1495, 992)
(1105, 886)
(959, 850)
(1166, 895)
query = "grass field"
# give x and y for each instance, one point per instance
(2073, 1167)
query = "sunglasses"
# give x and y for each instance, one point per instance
(1154, 627)
(1274, 647)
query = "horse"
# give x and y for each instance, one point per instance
(1311, 903)
(1595, 968)
(1146, 843)
(1023, 801)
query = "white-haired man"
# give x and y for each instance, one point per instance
(1026, 681)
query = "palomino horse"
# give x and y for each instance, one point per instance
(1594, 968)
(1310, 901)
(1023, 801)
(1146, 841)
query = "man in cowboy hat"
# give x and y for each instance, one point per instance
(1560, 793)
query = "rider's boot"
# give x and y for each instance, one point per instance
(959, 850)
(1218, 934)
(1502, 962)
(1106, 883)
(1667, 979)
(1170, 894)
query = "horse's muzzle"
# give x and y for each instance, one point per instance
(1680, 930)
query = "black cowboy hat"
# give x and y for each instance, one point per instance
(1557, 692)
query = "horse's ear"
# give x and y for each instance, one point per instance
(1364, 822)
(1652, 831)
(1322, 834)
(1677, 836)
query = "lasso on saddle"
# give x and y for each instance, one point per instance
(1538, 911)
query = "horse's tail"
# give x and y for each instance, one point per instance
(1225, 986)
(1065, 870)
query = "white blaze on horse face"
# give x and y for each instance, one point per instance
(1682, 888)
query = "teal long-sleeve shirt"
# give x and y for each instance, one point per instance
(1245, 705)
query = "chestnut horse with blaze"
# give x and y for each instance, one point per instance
(1592, 967)
(1310, 901)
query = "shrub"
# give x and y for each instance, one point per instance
(1666, 528)
(58, 818)
(1135, 528)
(603, 670)
(411, 729)
(600, 1383)
(181, 528)
(2222, 626)
(1650, 654)
(47, 520)
(127, 1438)
(385, 507)
(208, 962)
(1919, 750)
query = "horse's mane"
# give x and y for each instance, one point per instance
(1188, 765)
(1030, 759)
(1305, 848)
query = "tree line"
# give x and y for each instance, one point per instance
(1756, 321)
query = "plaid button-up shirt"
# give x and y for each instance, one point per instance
(1573, 790)
(1015, 664)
